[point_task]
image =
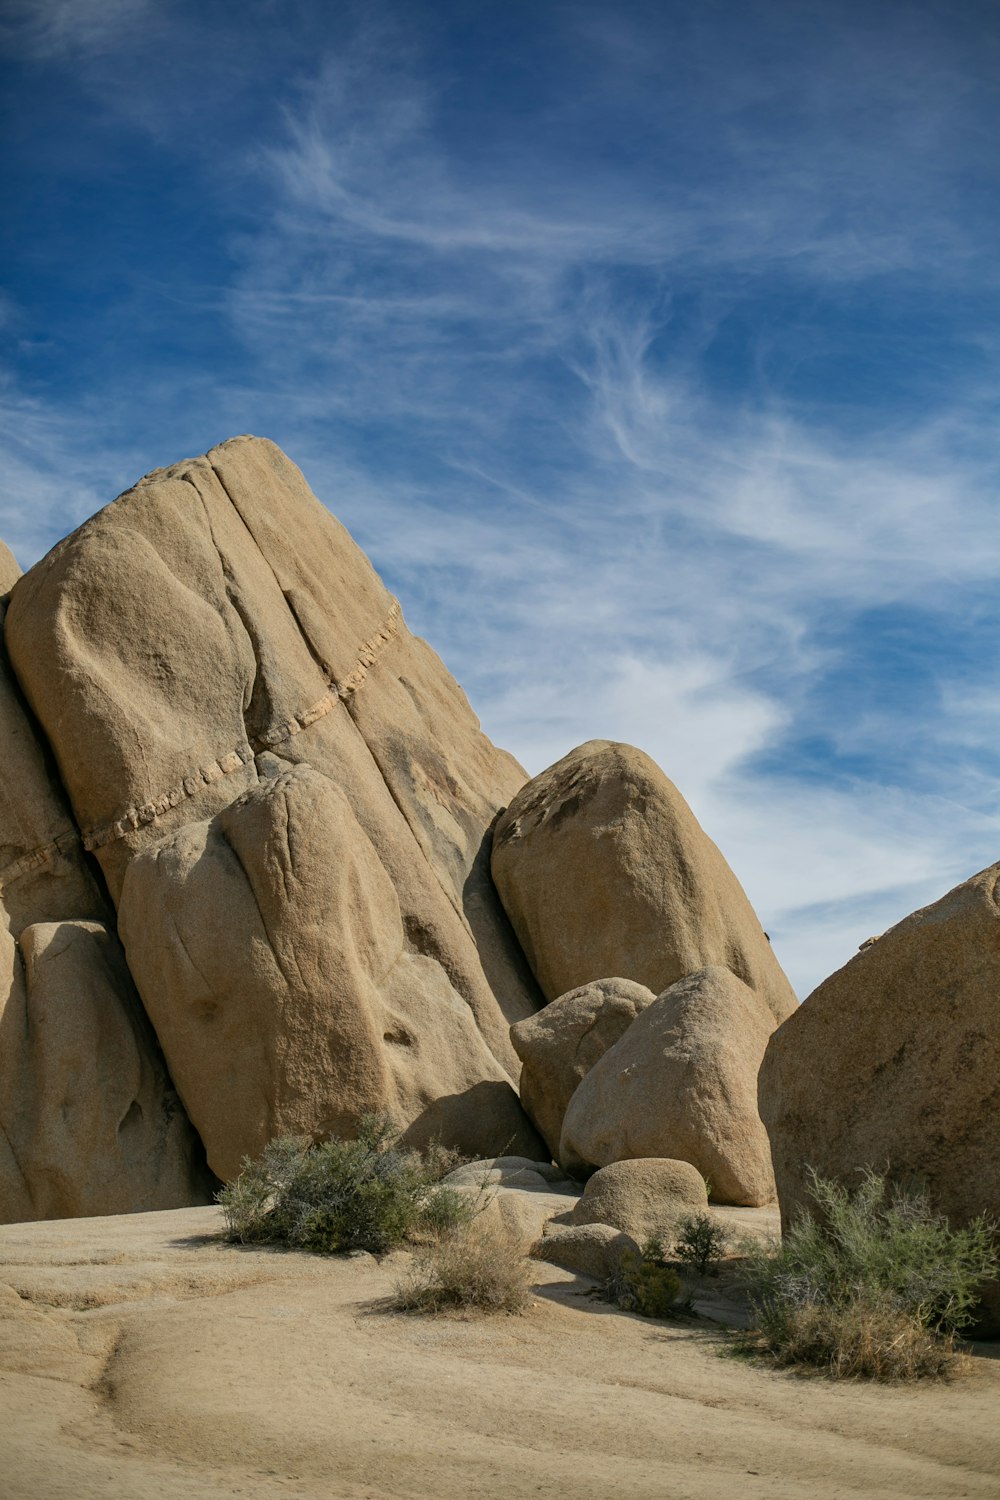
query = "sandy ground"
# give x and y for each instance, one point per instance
(141, 1357)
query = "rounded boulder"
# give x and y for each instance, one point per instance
(642, 1198)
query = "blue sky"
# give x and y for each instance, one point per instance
(650, 350)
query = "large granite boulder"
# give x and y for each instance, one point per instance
(682, 1082)
(43, 872)
(89, 1121)
(564, 1040)
(210, 630)
(894, 1061)
(603, 869)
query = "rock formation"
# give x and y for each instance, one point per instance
(245, 859)
(682, 1082)
(595, 1250)
(560, 1044)
(89, 1123)
(894, 1061)
(289, 799)
(603, 869)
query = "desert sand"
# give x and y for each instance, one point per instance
(141, 1356)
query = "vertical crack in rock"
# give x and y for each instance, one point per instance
(273, 912)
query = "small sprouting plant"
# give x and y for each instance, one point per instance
(644, 1283)
(701, 1243)
(365, 1194)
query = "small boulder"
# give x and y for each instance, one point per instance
(563, 1041)
(682, 1082)
(594, 1250)
(642, 1198)
(603, 869)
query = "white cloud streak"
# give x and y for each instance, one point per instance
(66, 30)
(481, 361)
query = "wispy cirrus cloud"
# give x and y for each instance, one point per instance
(65, 30)
(646, 352)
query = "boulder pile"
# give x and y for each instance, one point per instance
(262, 873)
(605, 873)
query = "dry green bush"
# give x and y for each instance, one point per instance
(872, 1283)
(364, 1194)
(475, 1266)
(439, 1160)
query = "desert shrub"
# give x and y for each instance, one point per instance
(478, 1265)
(873, 1283)
(364, 1194)
(700, 1243)
(644, 1283)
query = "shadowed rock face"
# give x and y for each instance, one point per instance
(89, 1121)
(603, 869)
(290, 801)
(894, 1063)
(560, 1044)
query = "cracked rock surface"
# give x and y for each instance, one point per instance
(224, 729)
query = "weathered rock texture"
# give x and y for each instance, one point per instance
(682, 1082)
(642, 1198)
(43, 872)
(89, 1123)
(290, 800)
(603, 869)
(563, 1042)
(894, 1063)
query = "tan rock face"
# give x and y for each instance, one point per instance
(88, 1121)
(43, 874)
(210, 630)
(894, 1061)
(603, 869)
(270, 946)
(682, 1082)
(563, 1042)
(642, 1198)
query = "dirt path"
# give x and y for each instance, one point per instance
(138, 1359)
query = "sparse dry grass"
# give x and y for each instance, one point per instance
(480, 1266)
(859, 1340)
